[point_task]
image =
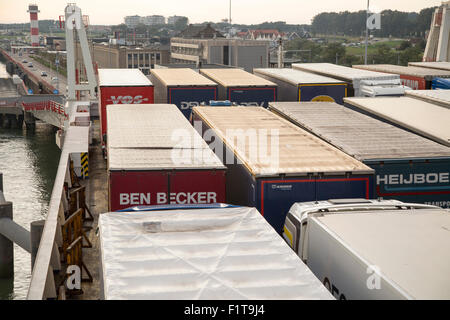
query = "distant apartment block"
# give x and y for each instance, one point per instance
(174, 19)
(153, 20)
(204, 45)
(132, 21)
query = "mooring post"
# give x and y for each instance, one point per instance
(36, 229)
(6, 246)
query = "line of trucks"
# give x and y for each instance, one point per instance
(172, 158)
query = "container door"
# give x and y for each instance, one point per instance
(187, 98)
(414, 83)
(277, 197)
(197, 187)
(342, 188)
(128, 189)
(255, 97)
(327, 93)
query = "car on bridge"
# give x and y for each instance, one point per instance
(30, 65)
(43, 74)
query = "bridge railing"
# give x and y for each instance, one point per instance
(45, 106)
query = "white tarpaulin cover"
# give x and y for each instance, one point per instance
(218, 253)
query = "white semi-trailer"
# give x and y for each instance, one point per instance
(370, 249)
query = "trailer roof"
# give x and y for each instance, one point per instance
(440, 97)
(122, 77)
(411, 247)
(206, 254)
(433, 65)
(296, 77)
(342, 72)
(427, 119)
(236, 78)
(426, 73)
(357, 134)
(155, 137)
(295, 151)
(181, 77)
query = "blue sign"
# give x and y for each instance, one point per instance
(30, 91)
(55, 91)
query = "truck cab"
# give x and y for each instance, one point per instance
(373, 249)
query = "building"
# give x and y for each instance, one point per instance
(204, 45)
(132, 21)
(153, 20)
(438, 44)
(174, 19)
(115, 56)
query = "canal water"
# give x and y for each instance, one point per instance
(28, 161)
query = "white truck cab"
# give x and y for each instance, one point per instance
(373, 249)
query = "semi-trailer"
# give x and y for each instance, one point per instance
(183, 87)
(199, 252)
(121, 86)
(156, 157)
(439, 97)
(272, 163)
(367, 250)
(361, 83)
(424, 118)
(296, 85)
(408, 167)
(416, 78)
(441, 65)
(241, 87)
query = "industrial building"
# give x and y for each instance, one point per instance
(114, 56)
(204, 45)
(132, 21)
(153, 20)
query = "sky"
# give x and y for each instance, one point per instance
(112, 12)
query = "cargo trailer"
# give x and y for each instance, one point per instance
(408, 167)
(360, 82)
(424, 118)
(296, 85)
(156, 157)
(440, 83)
(183, 87)
(121, 86)
(367, 250)
(416, 78)
(439, 97)
(210, 252)
(272, 163)
(441, 65)
(242, 87)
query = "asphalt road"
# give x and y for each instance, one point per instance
(38, 68)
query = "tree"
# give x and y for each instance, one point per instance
(181, 23)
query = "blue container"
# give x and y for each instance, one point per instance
(309, 169)
(440, 83)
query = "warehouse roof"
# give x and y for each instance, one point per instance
(181, 77)
(357, 134)
(122, 77)
(432, 65)
(440, 97)
(269, 145)
(424, 118)
(235, 78)
(295, 77)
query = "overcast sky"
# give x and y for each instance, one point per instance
(243, 11)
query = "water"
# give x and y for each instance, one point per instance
(29, 162)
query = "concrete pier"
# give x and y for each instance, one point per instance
(6, 246)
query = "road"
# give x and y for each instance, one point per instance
(38, 68)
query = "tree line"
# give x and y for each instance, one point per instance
(393, 23)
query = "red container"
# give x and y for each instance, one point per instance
(122, 86)
(414, 83)
(148, 166)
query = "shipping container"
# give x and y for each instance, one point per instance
(242, 87)
(373, 250)
(356, 78)
(156, 157)
(440, 83)
(296, 85)
(441, 65)
(122, 86)
(183, 87)
(416, 78)
(408, 167)
(421, 117)
(210, 252)
(272, 163)
(439, 97)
